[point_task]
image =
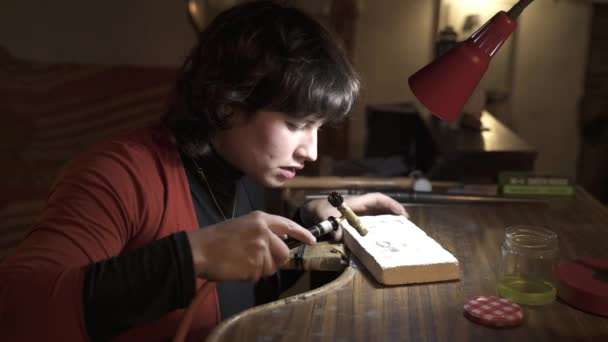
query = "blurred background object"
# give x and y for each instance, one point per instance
(201, 12)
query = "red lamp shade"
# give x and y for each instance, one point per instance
(445, 85)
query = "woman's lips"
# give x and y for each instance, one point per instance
(288, 172)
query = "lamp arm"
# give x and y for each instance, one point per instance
(516, 10)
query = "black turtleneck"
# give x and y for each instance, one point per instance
(123, 291)
(233, 192)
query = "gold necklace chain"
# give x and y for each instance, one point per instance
(201, 173)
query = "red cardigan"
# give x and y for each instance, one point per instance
(120, 195)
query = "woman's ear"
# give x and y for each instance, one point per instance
(235, 116)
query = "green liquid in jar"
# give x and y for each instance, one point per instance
(526, 291)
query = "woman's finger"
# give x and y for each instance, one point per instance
(269, 265)
(284, 226)
(278, 250)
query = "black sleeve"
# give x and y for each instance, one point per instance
(138, 286)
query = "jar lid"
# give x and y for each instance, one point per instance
(493, 311)
(583, 284)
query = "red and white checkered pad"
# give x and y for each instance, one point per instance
(493, 311)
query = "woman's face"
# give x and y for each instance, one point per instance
(269, 146)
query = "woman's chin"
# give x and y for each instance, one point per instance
(275, 183)
(272, 181)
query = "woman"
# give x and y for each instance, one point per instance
(118, 253)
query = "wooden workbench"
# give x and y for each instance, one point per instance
(354, 307)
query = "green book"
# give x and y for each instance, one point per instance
(518, 183)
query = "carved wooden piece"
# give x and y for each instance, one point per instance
(396, 251)
(322, 256)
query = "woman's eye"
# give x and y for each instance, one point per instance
(294, 126)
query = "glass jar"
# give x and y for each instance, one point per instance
(526, 269)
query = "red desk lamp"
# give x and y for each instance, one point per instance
(445, 85)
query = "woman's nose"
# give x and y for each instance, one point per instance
(307, 149)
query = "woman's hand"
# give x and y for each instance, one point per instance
(245, 248)
(375, 203)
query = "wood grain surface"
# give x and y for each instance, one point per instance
(355, 307)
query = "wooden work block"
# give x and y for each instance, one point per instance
(396, 251)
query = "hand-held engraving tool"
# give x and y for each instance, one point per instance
(318, 230)
(336, 200)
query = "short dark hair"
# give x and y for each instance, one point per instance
(260, 56)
